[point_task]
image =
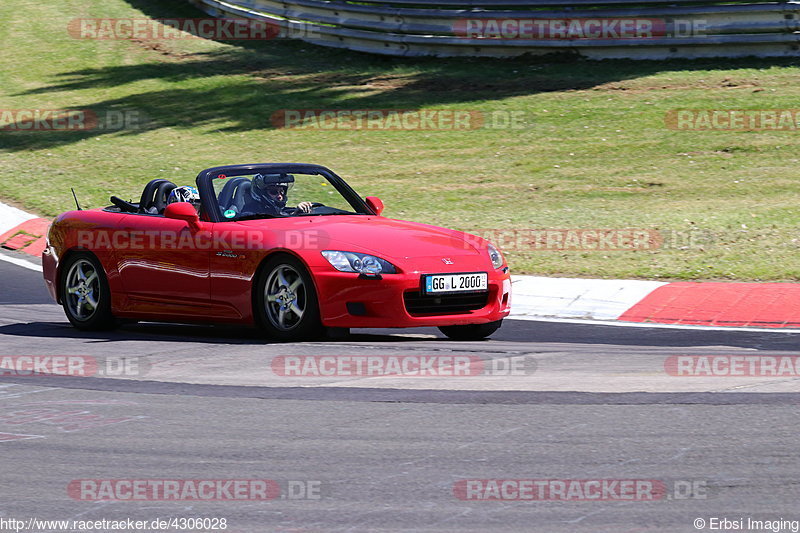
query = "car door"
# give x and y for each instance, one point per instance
(163, 265)
(238, 251)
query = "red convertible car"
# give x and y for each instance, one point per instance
(289, 248)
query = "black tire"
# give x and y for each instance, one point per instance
(471, 332)
(286, 301)
(85, 295)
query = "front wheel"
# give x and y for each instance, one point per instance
(471, 332)
(286, 300)
(85, 294)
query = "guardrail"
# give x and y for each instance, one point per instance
(677, 28)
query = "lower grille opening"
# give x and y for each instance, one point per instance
(356, 308)
(444, 304)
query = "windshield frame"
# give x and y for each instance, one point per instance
(208, 197)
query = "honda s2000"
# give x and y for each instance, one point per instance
(289, 248)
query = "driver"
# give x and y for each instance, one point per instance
(185, 193)
(268, 194)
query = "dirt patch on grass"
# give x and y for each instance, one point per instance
(160, 48)
(638, 87)
(425, 83)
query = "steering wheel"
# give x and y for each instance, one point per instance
(297, 211)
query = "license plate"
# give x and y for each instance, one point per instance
(467, 282)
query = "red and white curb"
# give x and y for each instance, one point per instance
(759, 305)
(11, 217)
(592, 299)
(619, 302)
(686, 305)
(22, 232)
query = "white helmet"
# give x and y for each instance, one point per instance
(185, 194)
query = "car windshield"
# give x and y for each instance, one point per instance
(279, 194)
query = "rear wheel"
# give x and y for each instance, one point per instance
(286, 300)
(471, 332)
(85, 295)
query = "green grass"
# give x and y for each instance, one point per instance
(594, 153)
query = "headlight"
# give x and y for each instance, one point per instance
(495, 256)
(355, 262)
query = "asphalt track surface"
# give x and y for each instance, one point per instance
(587, 402)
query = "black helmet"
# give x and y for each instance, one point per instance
(272, 189)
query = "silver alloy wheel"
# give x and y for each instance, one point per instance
(285, 297)
(82, 290)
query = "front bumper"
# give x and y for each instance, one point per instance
(348, 301)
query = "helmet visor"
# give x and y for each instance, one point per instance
(276, 189)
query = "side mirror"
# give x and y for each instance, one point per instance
(183, 211)
(375, 203)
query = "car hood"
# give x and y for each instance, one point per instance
(388, 238)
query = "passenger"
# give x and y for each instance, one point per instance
(185, 193)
